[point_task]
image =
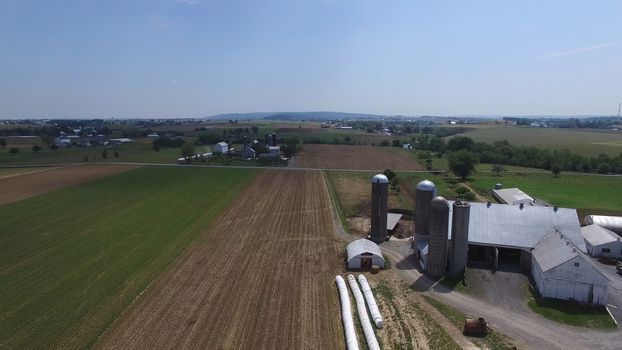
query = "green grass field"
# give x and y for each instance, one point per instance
(570, 312)
(597, 194)
(73, 260)
(588, 142)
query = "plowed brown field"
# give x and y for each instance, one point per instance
(261, 278)
(15, 188)
(354, 158)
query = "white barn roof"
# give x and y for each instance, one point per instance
(361, 246)
(222, 144)
(596, 235)
(510, 226)
(613, 223)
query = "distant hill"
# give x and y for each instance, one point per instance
(295, 116)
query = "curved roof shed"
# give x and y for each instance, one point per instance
(363, 253)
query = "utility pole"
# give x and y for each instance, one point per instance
(619, 104)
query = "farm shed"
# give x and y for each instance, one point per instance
(221, 147)
(561, 271)
(514, 196)
(363, 253)
(601, 242)
(392, 220)
(613, 223)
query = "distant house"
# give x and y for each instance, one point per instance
(249, 152)
(274, 151)
(62, 142)
(407, 146)
(221, 147)
(121, 140)
(561, 271)
(153, 135)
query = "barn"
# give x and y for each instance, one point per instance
(362, 254)
(561, 271)
(601, 242)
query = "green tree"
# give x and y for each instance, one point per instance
(603, 168)
(187, 150)
(390, 174)
(36, 148)
(116, 154)
(462, 163)
(385, 143)
(556, 170)
(397, 143)
(254, 129)
(105, 154)
(498, 168)
(14, 150)
(2, 142)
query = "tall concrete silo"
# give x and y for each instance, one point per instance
(424, 192)
(459, 238)
(379, 207)
(437, 242)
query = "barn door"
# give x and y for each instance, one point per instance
(590, 298)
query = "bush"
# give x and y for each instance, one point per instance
(14, 150)
(36, 148)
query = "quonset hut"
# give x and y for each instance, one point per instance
(363, 254)
(379, 207)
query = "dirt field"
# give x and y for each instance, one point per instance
(15, 188)
(354, 158)
(261, 278)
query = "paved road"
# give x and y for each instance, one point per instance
(528, 329)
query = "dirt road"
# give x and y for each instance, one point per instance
(15, 188)
(261, 278)
(354, 158)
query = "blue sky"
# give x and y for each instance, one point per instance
(191, 58)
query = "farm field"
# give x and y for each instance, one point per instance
(588, 142)
(4, 172)
(15, 188)
(590, 193)
(139, 151)
(262, 277)
(355, 158)
(73, 260)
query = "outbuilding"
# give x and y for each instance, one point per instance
(221, 147)
(362, 254)
(601, 242)
(612, 223)
(561, 271)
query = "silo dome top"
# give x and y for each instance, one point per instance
(380, 179)
(439, 202)
(426, 185)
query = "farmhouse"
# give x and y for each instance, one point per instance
(221, 147)
(561, 271)
(601, 242)
(362, 254)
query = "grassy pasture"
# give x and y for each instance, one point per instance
(590, 193)
(73, 260)
(588, 142)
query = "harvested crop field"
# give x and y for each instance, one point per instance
(355, 158)
(261, 278)
(15, 188)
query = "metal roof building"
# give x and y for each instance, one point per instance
(560, 270)
(363, 253)
(519, 227)
(392, 220)
(515, 196)
(613, 223)
(601, 242)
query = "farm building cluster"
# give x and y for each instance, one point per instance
(546, 241)
(249, 151)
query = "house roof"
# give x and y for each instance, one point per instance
(361, 246)
(515, 227)
(222, 144)
(596, 235)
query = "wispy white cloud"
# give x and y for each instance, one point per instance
(189, 2)
(579, 50)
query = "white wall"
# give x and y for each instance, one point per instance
(569, 282)
(614, 249)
